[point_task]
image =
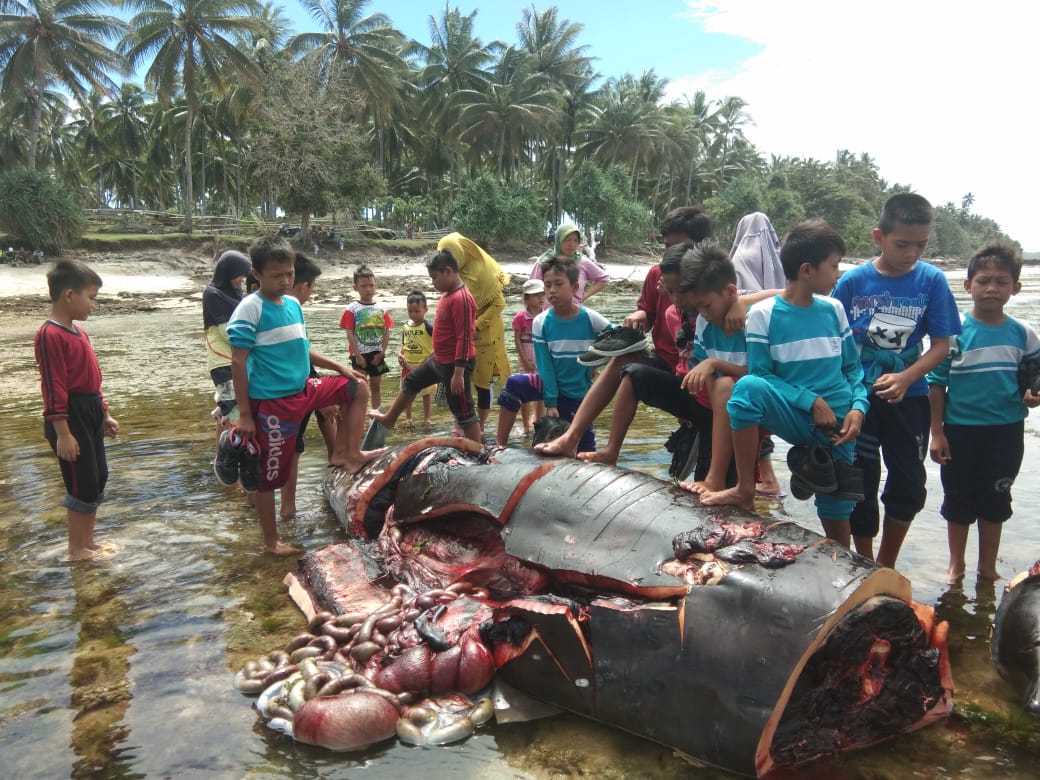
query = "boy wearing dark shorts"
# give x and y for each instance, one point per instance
(76, 416)
(270, 366)
(979, 408)
(454, 353)
(368, 325)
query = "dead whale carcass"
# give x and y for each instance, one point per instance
(748, 644)
(1015, 646)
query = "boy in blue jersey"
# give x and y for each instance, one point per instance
(891, 303)
(805, 381)
(560, 334)
(979, 409)
(271, 360)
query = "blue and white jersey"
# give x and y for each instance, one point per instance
(711, 341)
(890, 315)
(279, 351)
(806, 352)
(557, 345)
(981, 372)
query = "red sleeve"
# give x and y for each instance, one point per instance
(54, 372)
(464, 318)
(648, 296)
(347, 320)
(388, 321)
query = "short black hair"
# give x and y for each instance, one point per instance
(998, 254)
(706, 268)
(363, 272)
(70, 275)
(907, 208)
(563, 265)
(306, 269)
(416, 296)
(811, 241)
(691, 221)
(672, 257)
(270, 249)
(442, 259)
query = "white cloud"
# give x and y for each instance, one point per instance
(940, 94)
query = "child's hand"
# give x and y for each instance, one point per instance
(376, 358)
(698, 377)
(850, 428)
(111, 426)
(939, 449)
(636, 319)
(351, 373)
(823, 416)
(736, 318)
(552, 411)
(892, 387)
(245, 427)
(360, 360)
(458, 381)
(1031, 399)
(67, 447)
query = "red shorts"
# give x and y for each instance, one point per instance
(279, 422)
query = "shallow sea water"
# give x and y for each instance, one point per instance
(122, 667)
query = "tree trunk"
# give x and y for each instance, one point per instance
(189, 195)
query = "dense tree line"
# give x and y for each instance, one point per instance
(238, 115)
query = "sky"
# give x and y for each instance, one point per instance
(938, 92)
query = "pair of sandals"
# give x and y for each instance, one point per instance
(814, 471)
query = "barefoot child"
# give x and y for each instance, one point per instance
(368, 325)
(979, 410)
(76, 418)
(523, 322)
(454, 351)
(270, 365)
(805, 381)
(561, 334)
(416, 346)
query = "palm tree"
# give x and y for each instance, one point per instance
(123, 126)
(192, 44)
(46, 43)
(514, 105)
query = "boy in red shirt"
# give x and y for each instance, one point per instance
(76, 417)
(454, 354)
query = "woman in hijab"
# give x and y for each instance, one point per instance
(219, 299)
(568, 244)
(485, 280)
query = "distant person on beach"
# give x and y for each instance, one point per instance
(219, 299)
(454, 353)
(486, 282)
(76, 416)
(685, 225)
(270, 364)
(416, 346)
(567, 243)
(368, 325)
(892, 302)
(979, 407)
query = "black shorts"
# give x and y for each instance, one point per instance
(430, 372)
(984, 461)
(86, 477)
(377, 370)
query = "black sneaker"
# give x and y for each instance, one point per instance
(249, 466)
(592, 359)
(683, 444)
(812, 471)
(1029, 375)
(850, 482)
(225, 465)
(375, 437)
(621, 340)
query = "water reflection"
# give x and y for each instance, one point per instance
(122, 667)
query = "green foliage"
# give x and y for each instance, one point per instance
(958, 232)
(39, 212)
(486, 211)
(597, 200)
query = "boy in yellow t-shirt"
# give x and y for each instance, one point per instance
(416, 346)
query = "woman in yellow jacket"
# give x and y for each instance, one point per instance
(485, 280)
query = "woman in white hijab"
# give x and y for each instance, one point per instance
(756, 254)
